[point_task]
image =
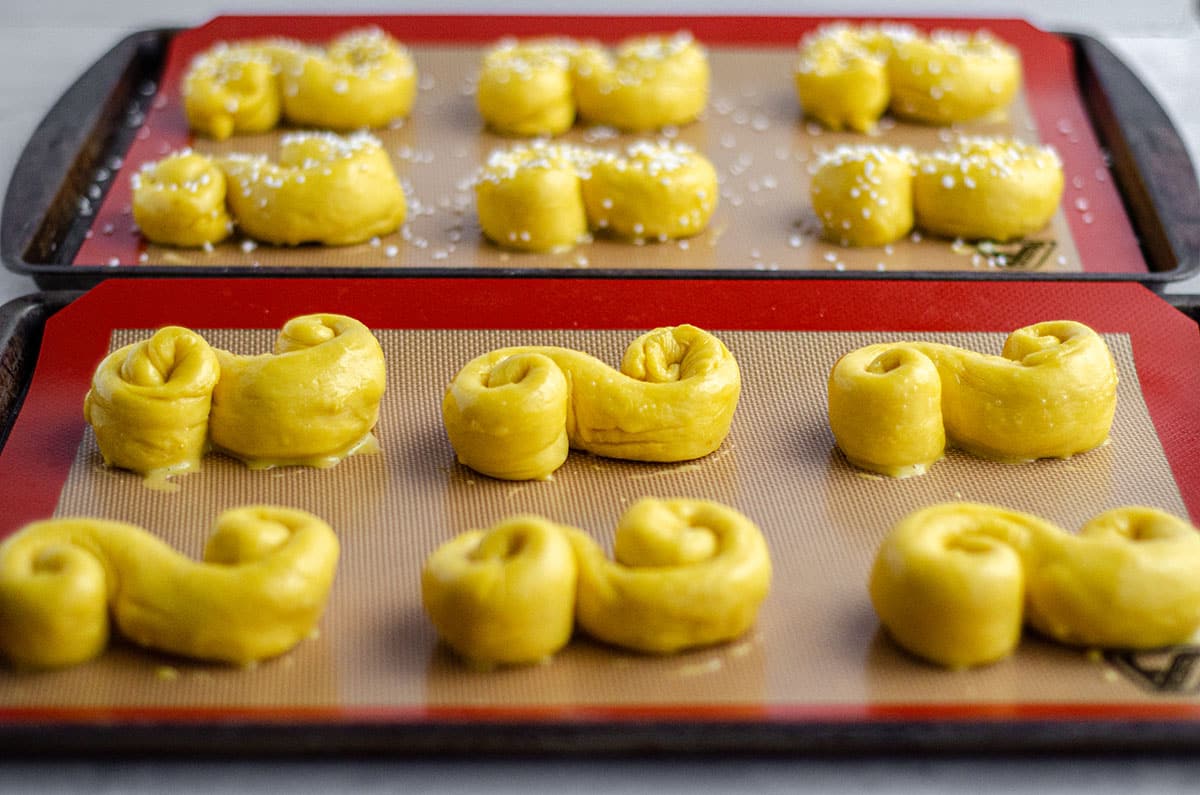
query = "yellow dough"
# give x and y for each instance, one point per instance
(952, 76)
(312, 402)
(654, 191)
(863, 194)
(1051, 394)
(526, 88)
(954, 583)
(685, 573)
(234, 88)
(149, 403)
(323, 189)
(505, 596)
(544, 197)
(514, 413)
(365, 78)
(530, 198)
(987, 188)
(180, 201)
(653, 82)
(841, 76)
(261, 588)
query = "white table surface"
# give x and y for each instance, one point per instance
(45, 45)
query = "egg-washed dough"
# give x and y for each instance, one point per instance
(157, 406)
(548, 197)
(539, 86)
(847, 76)
(514, 413)
(234, 88)
(259, 591)
(650, 83)
(1052, 393)
(530, 198)
(323, 188)
(953, 76)
(149, 403)
(685, 573)
(652, 191)
(954, 583)
(987, 188)
(841, 76)
(526, 88)
(363, 79)
(180, 201)
(863, 195)
(311, 402)
(504, 596)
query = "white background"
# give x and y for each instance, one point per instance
(44, 46)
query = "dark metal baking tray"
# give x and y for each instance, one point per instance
(90, 127)
(1167, 725)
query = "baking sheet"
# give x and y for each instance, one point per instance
(752, 130)
(816, 657)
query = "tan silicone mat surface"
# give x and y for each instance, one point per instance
(817, 641)
(753, 133)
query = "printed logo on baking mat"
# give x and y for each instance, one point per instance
(1025, 255)
(1175, 670)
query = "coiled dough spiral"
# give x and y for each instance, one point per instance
(363, 79)
(323, 188)
(526, 88)
(234, 88)
(149, 403)
(311, 402)
(514, 413)
(1052, 393)
(652, 82)
(686, 573)
(180, 201)
(260, 590)
(504, 596)
(954, 583)
(987, 188)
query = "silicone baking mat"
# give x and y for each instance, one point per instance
(752, 130)
(816, 655)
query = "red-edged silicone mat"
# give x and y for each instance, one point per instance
(763, 693)
(1102, 240)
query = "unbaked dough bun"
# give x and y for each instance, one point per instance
(987, 189)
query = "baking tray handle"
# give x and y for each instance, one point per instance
(68, 163)
(1148, 158)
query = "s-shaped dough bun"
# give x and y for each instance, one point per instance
(1051, 394)
(259, 591)
(363, 79)
(537, 87)
(547, 197)
(846, 75)
(954, 583)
